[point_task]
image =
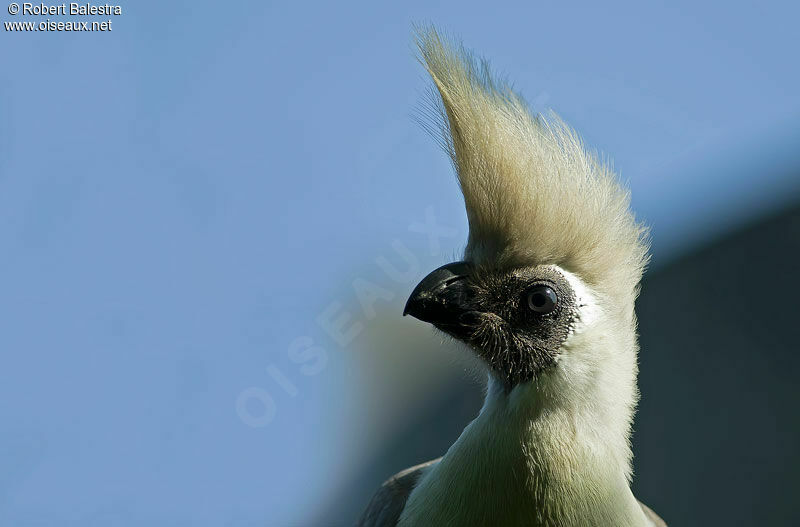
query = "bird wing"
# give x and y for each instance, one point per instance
(652, 516)
(387, 504)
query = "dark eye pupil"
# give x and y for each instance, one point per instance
(542, 299)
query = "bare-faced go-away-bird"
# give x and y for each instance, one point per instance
(545, 297)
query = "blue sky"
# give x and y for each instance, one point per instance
(181, 198)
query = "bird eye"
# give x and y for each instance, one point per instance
(542, 299)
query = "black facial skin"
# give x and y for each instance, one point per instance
(516, 320)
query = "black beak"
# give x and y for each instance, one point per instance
(441, 297)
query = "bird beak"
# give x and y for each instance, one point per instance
(441, 296)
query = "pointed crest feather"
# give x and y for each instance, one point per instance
(533, 193)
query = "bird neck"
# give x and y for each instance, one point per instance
(530, 460)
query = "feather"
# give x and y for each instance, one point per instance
(533, 192)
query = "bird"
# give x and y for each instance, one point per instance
(544, 296)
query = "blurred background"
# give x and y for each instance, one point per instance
(211, 216)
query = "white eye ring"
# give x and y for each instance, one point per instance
(542, 299)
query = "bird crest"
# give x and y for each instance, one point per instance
(534, 194)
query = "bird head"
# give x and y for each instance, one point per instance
(546, 288)
(515, 319)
